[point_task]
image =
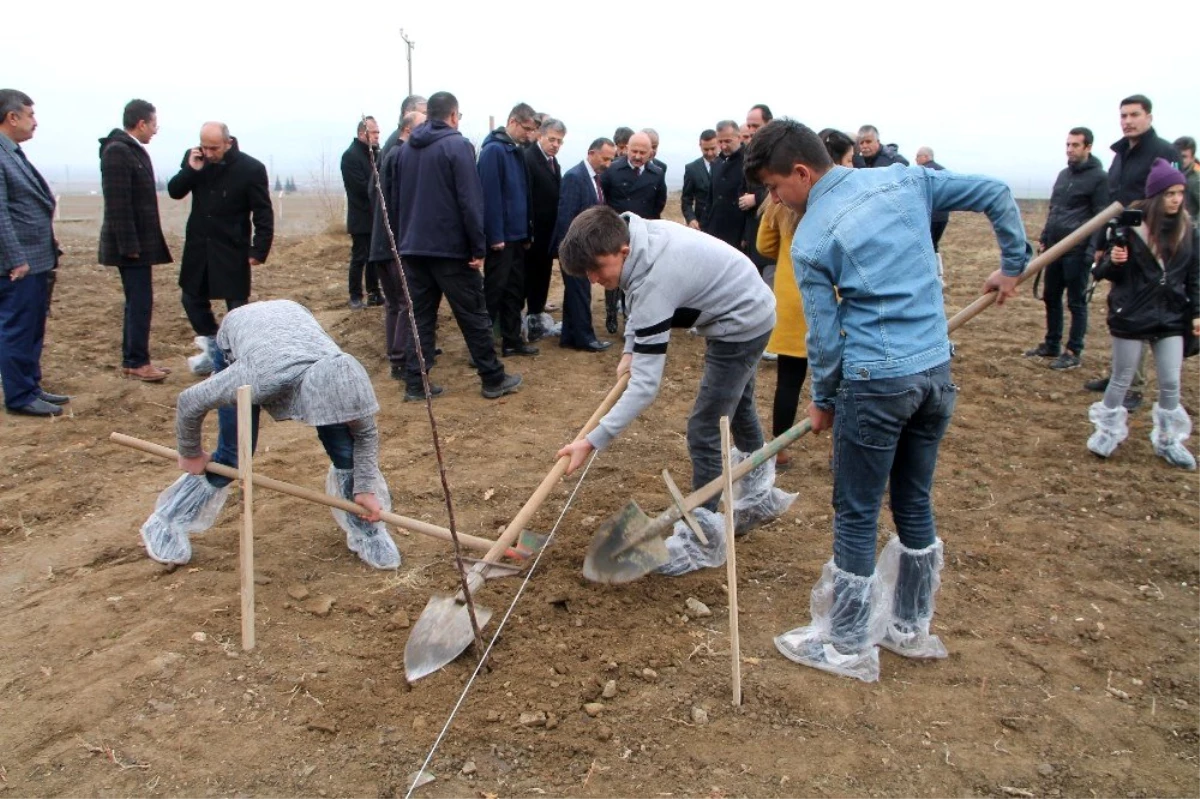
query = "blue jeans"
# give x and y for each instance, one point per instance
(887, 431)
(336, 438)
(726, 389)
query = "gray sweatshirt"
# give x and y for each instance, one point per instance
(295, 371)
(679, 277)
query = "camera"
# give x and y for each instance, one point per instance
(1117, 230)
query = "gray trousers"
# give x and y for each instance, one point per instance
(1127, 355)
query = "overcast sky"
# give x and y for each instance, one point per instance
(992, 91)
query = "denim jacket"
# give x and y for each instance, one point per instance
(865, 235)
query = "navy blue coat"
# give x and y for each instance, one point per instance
(645, 195)
(435, 195)
(576, 195)
(506, 196)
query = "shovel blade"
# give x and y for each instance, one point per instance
(606, 563)
(441, 634)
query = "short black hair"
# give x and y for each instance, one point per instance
(766, 111)
(597, 231)
(837, 143)
(441, 105)
(782, 143)
(1185, 143)
(600, 142)
(1139, 99)
(522, 112)
(1086, 133)
(137, 111)
(708, 134)
(622, 135)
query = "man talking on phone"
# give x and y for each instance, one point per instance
(230, 197)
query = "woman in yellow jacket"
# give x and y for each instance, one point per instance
(787, 340)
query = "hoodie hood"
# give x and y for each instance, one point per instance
(431, 131)
(499, 136)
(638, 240)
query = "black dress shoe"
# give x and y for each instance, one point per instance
(53, 399)
(595, 345)
(520, 349)
(37, 408)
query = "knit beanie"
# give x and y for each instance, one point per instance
(1162, 177)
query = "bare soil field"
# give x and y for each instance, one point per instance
(1069, 602)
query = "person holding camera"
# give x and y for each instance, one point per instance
(1154, 270)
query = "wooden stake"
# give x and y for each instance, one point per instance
(735, 641)
(245, 431)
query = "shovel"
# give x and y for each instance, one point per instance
(444, 630)
(629, 546)
(403, 522)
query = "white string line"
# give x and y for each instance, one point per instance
(500, 627)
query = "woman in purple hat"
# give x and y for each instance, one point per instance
(1155, 297)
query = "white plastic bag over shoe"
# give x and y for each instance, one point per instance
(688, 553)
(849, 615)
(912, 577)
(189, 505)
(369, 540)
(756, 500)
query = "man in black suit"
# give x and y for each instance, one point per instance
(581, 189)
(697, 182)
(726, 216)
(545, 178)
(356, 178)
(131, 236)
(632, 183)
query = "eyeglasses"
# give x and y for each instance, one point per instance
(530, 128)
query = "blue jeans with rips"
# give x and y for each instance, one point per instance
(887, 431)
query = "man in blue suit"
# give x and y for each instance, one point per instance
(580, 189)
(28, 254)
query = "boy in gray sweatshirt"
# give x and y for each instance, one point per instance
(674, 276)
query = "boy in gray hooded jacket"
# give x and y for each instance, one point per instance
(674, 276)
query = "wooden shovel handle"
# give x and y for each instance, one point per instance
(321, 498)
(548, 482)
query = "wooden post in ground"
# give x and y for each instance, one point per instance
(735, 640)
(246, 475)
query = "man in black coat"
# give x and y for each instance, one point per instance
(727, 219)
(1135, 151)
(872, 154)
(356, 177)
(1080, 192)
(230, 194)
(131, 236)
(697, 183)
(545, 180)
(938, 219)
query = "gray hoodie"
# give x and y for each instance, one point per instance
(679, 277)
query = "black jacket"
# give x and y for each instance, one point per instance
(226, 198)
(725, 220)
(1080, 192)
(544, 185)
(697, 183)
(1127, 175)
(434, 195)
(356, 177)
(131, 225)
(937, 216)
(1148, 300)
(880, 159)
(645, 195)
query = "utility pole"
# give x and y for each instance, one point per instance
(410, 44)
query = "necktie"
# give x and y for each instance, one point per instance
(41, 181)
(599, 191)
(637, 172)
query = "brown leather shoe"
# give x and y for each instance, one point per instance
(147, 374)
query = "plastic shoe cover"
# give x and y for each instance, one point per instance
(915, 575)
(849, 615)
(201, 364)
(1171, 429)
(756, 500)
(189, 505)
(1111, 428)
(686, 551)
(369, 540)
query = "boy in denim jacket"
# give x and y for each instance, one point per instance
(880, 358)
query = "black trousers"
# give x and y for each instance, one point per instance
(538, 265)
(429, 279)
(790, 372)
(1068, 274)
(396, 329)
(577, 330)
(360, 248)
(936, 229)
(137, 281)
(504, 289)
(200, 313)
